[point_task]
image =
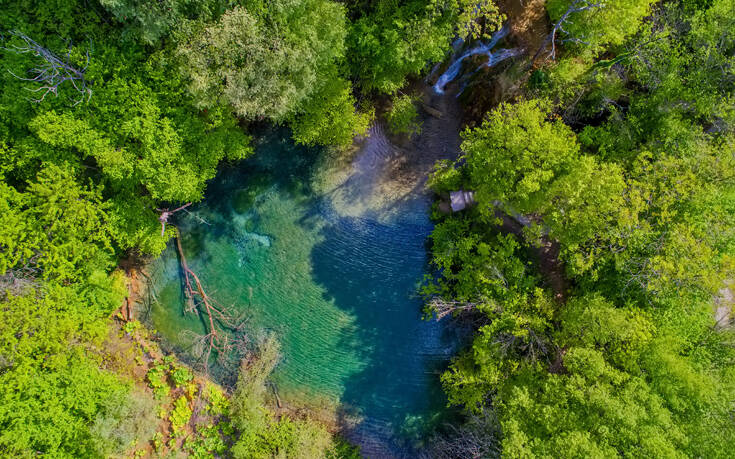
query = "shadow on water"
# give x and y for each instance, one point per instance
(372, 267)
(339, 290)
(372, 270)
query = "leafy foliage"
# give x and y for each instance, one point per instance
(476, 19)
(52, 389)
(264, 61)
(403, 116)
(517, 153)
(621, 156)
(638, 198)
(151, 21)
(594, 410)
(180, 415)
(328, 116)
(531, 165)
(603, 24)
(397, 39)
(56, 229)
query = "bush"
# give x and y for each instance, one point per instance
(123, 422)
(403, 116)
(180, 415)
(259, 434)
(158, 381)
(181, 376)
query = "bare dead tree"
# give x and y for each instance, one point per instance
(443, 308)
(165, 214)
(16, 282)
(576, 7)
(533, 347)
(53, 70)
(478, 437)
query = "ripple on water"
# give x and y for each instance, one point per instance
(338, 288)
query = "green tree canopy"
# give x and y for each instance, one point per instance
(265, 61)
(598, 24)
(397, 39)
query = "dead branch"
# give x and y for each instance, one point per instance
(53, 70)
(443, 308)
(478, 437)
(165, 214)
(559, 27)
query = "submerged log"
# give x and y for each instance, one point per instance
(218, 319)
(274, 388)
(431, 110)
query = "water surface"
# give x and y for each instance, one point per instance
(329, 261)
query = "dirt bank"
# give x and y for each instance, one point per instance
(528, 21)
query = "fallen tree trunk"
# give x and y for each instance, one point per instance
(218, 320)
(431, 110)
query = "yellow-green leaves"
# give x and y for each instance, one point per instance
(516, 154)
(67, 132)
(531, 164)
(60, 228)
(478, 19)
(603, 23)
(403, 118)
(51, 385)
(329, 116)
(593, 322)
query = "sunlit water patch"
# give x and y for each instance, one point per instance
(334, 273)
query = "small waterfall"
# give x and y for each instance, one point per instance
(456, 44)
(493, 58)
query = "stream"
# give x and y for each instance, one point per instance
(493, 58)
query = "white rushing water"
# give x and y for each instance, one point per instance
(493, 58)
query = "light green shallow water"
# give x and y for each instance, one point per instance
(337, 287)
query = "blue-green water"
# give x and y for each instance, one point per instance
(332, 267)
